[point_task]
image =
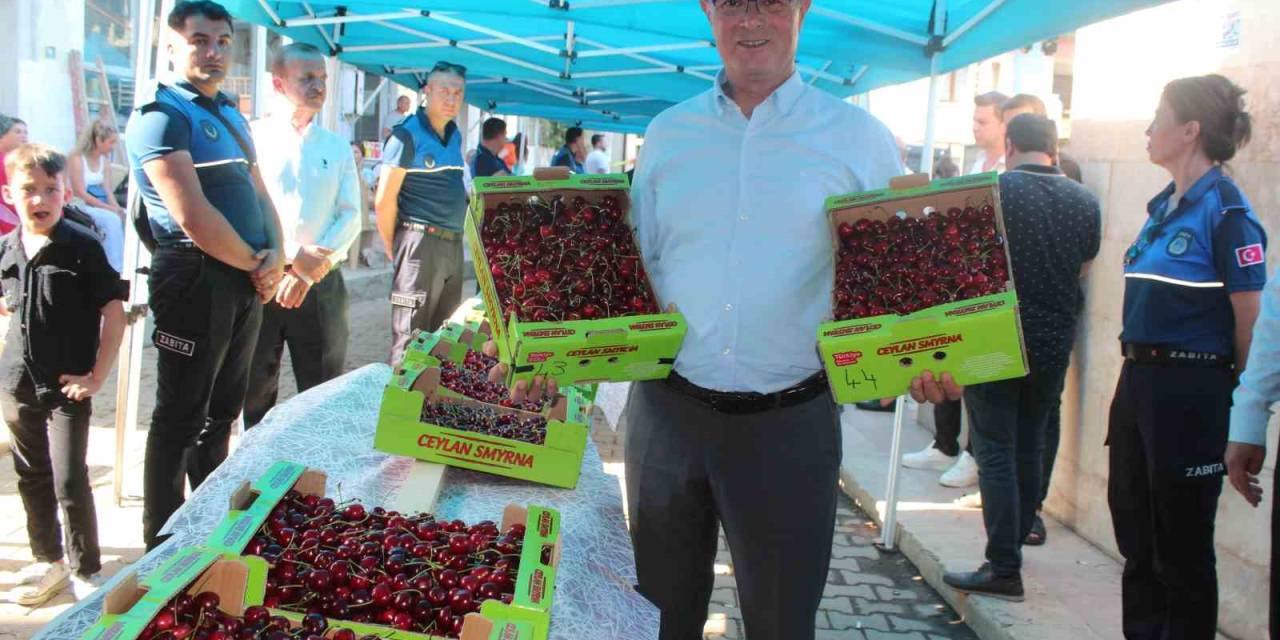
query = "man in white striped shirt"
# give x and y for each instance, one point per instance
(312, 179)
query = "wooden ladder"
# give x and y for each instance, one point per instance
(81, 100)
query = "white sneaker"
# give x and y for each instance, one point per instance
(970, 500)
(84, 586)
(928, 458)
(964, 473)
(31, 573)
(53, 582)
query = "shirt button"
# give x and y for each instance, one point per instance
(728, 307)
(743, 217)
(726, 351)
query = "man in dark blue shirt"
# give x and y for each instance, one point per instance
(493, 134)
(217, 257)
(573, 152)
(421, 203)
(1053, 229)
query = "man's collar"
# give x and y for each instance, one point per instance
(284, 118)
(784, 98)
(1044, 169)
(423, 120)
(189, 92)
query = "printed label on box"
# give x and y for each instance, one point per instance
(847, 358)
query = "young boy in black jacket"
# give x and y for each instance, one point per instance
(64, 331)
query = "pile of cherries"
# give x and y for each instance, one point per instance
(475, 384)
(198, 618)
(487, 421)
(407, 571)
(565, 259)
(903, 265)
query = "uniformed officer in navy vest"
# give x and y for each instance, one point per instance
(421, 202)
(1193, 280)
(217, 257)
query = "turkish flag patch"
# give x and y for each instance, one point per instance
(1250, 255)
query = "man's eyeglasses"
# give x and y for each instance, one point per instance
(451, 68)
(738, 8)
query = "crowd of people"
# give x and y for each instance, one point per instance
(248, 225)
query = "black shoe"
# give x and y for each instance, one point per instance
(985, 582)
(875, 405)
(1038, 535)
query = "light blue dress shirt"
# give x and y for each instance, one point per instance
(1260, 385)
(729, 215)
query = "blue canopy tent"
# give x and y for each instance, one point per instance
(611, 73)
(609, 53)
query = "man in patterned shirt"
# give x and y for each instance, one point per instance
(1053, 228)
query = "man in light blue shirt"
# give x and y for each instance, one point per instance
(728, 207)
(1250, 412)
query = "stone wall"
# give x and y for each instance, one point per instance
(1120, 68)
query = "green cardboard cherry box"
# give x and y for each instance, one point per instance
(130, 606)
(527, 617)
(401, 431)
(975, 340)
(252, 503)
(619, 349)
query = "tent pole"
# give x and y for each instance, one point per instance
(931, 118)
(136, 258)
(889, 532)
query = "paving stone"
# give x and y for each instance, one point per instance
(929, 610)
(874, 621)
(865, 606)
(849, 590)
(905, 624)
(838, 603)
(852, 550)
(730, 613)
(727, 597)
(843, 634)
(883, 635)
(821, 621)
(863, 577)
(846, 561)
(888, 593)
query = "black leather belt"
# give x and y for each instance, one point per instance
(750, 402)
(185, 246)
(430, 230)
(1155, 354)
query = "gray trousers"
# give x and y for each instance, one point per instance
(316, 333)
(426, 287)
(769, 478)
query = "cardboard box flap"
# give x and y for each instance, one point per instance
(125, 594)
(539, 558)
(551, 173)
(179, 571)
(909, 181)
(877, 196)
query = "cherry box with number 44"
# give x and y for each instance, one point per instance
(922, 282)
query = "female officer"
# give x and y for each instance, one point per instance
(1192, 284)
